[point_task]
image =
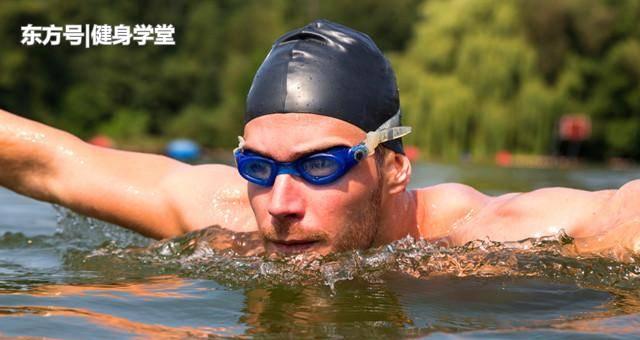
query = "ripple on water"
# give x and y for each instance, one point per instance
(532, 283)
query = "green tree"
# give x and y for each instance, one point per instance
(475, 82)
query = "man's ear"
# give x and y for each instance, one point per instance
(397, 172)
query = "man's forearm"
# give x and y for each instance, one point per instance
(116, 186)
(27, 150)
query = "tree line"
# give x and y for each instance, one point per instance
(475, 76)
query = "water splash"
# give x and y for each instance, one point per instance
(91, 246)
(90, 249)
(218, 254)
(86, 232)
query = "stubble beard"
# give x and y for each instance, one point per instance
(362, 227)
(359, 231)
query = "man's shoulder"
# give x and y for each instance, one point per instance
(210, 194)
(443, 206)
(452, 196)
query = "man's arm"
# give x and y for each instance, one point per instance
(130, 189)
(605, 223)
(613, 229)
(601, 222)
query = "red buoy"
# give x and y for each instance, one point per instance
(101, 140)
(412, 152)
(575, 127)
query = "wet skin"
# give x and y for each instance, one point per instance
(162, 198)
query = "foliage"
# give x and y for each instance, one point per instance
(476, 76)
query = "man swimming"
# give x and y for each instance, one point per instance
(320, 169)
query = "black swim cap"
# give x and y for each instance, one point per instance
(327, 69)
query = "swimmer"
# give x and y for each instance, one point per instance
(320, 168)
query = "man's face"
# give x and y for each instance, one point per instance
(295, 216)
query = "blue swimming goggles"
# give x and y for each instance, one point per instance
(318, 168)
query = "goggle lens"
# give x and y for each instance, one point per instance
(320, 166)
(257, 168)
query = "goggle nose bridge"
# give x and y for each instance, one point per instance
(286, 169)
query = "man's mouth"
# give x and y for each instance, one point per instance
(293, 246)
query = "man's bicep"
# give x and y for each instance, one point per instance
(549, 210)
(117, 186)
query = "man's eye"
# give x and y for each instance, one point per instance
(258, 169)
(320, 167)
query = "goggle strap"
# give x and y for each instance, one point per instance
(394, 121)
(240, 144)
(375, 138)
(389, 130)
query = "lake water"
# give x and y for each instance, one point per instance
(65, 276)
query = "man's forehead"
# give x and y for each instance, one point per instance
(286, 133)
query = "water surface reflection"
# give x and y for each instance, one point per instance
(91, 280)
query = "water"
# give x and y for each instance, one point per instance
(66, 276)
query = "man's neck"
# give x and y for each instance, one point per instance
(398, 219)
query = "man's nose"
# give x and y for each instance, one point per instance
(286, 199)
